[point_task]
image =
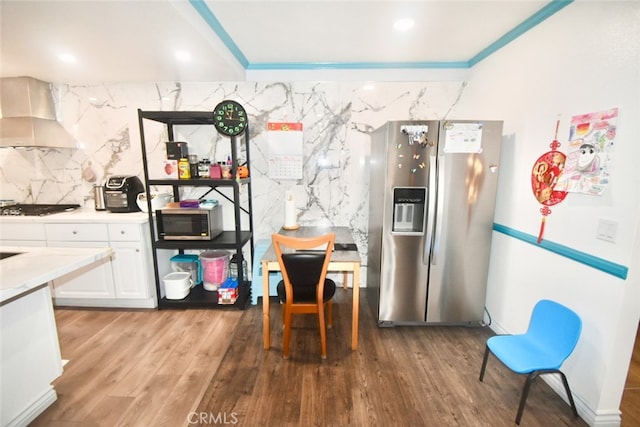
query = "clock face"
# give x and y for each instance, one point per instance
(230, 118)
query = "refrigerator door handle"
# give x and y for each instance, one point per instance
(440, 207)
(431, 208)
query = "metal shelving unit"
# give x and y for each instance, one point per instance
(229, 240)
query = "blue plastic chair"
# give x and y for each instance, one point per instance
(552, 335)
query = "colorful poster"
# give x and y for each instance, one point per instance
(589, 155)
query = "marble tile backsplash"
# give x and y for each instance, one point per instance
(337, 118)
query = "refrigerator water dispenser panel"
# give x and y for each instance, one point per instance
(409, 204)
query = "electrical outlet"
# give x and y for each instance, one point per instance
(607, 230)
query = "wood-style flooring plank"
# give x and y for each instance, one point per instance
(136, 367)
(398, 376)
(202, 367)
(630, 406)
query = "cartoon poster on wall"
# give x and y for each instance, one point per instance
(589, 155)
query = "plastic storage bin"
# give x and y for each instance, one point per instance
(189, 263)
(177, 285)
(215, 269)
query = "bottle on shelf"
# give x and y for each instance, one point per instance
(194, 170)
(183, 169)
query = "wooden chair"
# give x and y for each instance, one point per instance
(305, 287)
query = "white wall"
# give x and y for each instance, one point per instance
(586, 58)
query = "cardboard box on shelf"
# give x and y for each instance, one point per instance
(170, 169)
(228, 291)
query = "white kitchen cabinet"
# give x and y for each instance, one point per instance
(90, 282)
(77, 232)
(93, 282)
(132, 262)
(128, 274)
(29, 355)
(24, 234)
(126, 279)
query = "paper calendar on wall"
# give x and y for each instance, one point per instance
(285, 150)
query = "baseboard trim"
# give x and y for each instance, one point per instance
(32, 411)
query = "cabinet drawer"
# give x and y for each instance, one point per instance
(124, 233)
(77, 232)
(15, 231)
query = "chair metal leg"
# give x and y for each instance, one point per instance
(532, 376)
(484, 362)
(525, 392)
(568, 390)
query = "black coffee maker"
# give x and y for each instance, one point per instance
(121, 192)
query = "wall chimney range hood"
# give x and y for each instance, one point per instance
(27, 115)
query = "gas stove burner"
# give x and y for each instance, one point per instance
(35, 209)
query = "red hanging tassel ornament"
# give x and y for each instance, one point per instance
(544, 177)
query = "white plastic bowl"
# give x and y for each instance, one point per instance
(158, 201)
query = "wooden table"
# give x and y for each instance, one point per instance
(341, 260)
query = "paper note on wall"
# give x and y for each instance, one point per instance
(463, 138)
(285, 150)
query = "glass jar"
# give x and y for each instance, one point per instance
(225, 171)
(233, 268)
(203, 168)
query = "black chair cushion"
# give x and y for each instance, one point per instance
(307, 294)
(304, 269)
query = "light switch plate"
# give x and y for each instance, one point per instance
(607, 230)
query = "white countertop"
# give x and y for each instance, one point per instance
(81, 215)
(35, 266)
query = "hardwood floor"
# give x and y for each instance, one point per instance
(136, 368)
(200, 367)
(630, 406)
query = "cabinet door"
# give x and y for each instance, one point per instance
(92, 281)
(19, 234)
(129, 270)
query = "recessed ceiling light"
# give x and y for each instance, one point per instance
(183, 56)
(68, 58)
(404, 24)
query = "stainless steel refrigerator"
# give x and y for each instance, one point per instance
(431, 207)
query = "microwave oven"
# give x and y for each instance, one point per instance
(189, 223)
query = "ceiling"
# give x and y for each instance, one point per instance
(110, 41)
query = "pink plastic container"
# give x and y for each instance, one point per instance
(215, 269)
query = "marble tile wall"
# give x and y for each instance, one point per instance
(337, 118)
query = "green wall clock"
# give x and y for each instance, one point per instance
(230, 118)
